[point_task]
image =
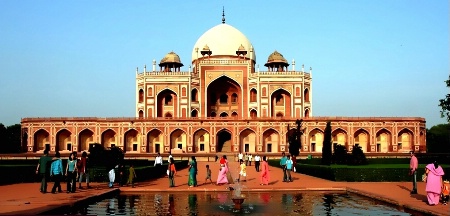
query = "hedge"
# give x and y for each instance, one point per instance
(369, 173)
(23, 173)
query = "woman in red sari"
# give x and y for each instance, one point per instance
(265, 172)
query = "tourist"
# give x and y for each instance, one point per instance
(250, 158)
(208, 174)
(243, 171)
(112, 176)
(445, 192)
(246, 159)
(83, 170)
(158, 160)
(228, 173)
(192, 182)
(413, 163)
(43, 169)
(172, 172)
(56, 171)
(131, 175)
(121, 175)
(265, 176)
(289, 165)
(294, 163)
(240, 156)
(257, 162)
(222, 176)
(283, 166)
(170, 157)
(71, 173)
(434, 174)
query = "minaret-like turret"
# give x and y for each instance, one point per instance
(171, 60)
(276, 62)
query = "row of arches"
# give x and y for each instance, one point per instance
(383, 140)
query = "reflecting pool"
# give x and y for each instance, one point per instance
(220, 203)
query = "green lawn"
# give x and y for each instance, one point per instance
(421, 166)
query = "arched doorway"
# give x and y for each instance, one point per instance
(223, 96)
(109, 138)
(224, 143)
(131, 141)
(339, 137)
(280, 103)
(63, 140)
(247, 141)
(155, 141)
(41, 140)
(383, 140)
(85, 138)
(167, 103)
(405, 141)
(178, 141)
(271, 141)
(201, 141)
(316, 140)
(362, 140)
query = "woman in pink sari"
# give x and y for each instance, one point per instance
(433, 188)
(222, 177)
(265, 172)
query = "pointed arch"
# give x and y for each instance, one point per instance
(253, 95)
(361, 138)
(131, 140)
(220, 93)
(85, 139)
(194, 95)
(178, 140)
(109, 138)
(340, 137)
(247, 140)
(271, 140)
(201, 141)
(316, 137)
(155, 141)
(194, 113)
(405, 140)
(224, 142)
(306, 95)
(166, 101)
(280, 102)
(63, 140)
(383, 140)
(253, 114)
(41, 140)
(141, 95)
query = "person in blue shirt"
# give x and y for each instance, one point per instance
(56, 171)
(283, 166)
(289, 167)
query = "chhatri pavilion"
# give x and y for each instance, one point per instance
(224, 103)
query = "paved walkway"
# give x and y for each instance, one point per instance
(26, 199)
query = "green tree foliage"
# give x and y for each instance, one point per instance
(445, 103)
(294, 138)
(339, 154)
(10, 138)
(358, 157)
(438, 139)
(108, 158)
(326, 147)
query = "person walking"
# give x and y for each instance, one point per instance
(208, 174)
(413, 164)
(71, 173)
(158, 160)
(250, 158)
(192, 181)
(434, 185)
(43, 169)
(56, 171)
(283, 166)
(289, 165)
(131, 175)
(172, 172)
(222, 175)
(243, 171)
(83, 170)
(265, 176)
(257, 162)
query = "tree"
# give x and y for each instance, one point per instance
(358, 157)
(445, 103)
(326, 147)
(294, 138)
(438, 139)
(10, 138)
(339, 154)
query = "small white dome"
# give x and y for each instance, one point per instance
(223, 40)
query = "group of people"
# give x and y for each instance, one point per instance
(52, 168)
(436, 188)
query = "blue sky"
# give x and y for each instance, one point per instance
(78, 58)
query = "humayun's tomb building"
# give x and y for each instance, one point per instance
(223, 103)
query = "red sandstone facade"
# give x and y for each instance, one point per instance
(224, 103)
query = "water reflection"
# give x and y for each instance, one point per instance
(219, 203)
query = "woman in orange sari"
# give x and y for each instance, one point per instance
(265, 172)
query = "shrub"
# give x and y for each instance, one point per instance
(340, 154)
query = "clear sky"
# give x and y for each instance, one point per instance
(78, 58)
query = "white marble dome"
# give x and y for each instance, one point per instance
(223, 40)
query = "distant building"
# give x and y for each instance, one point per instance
(223, 103)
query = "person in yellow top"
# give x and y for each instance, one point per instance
(243, 171)
(131, 176)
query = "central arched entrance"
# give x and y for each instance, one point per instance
(223, 96)
(224, 143)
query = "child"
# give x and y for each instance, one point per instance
(172, 172)
(289, 168)
(208, 174)
(445, 192)
(131, 176)
(243, 171)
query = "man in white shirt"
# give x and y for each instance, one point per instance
(170, 156)
(257, 161)
(158, 160)
(240, 156)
